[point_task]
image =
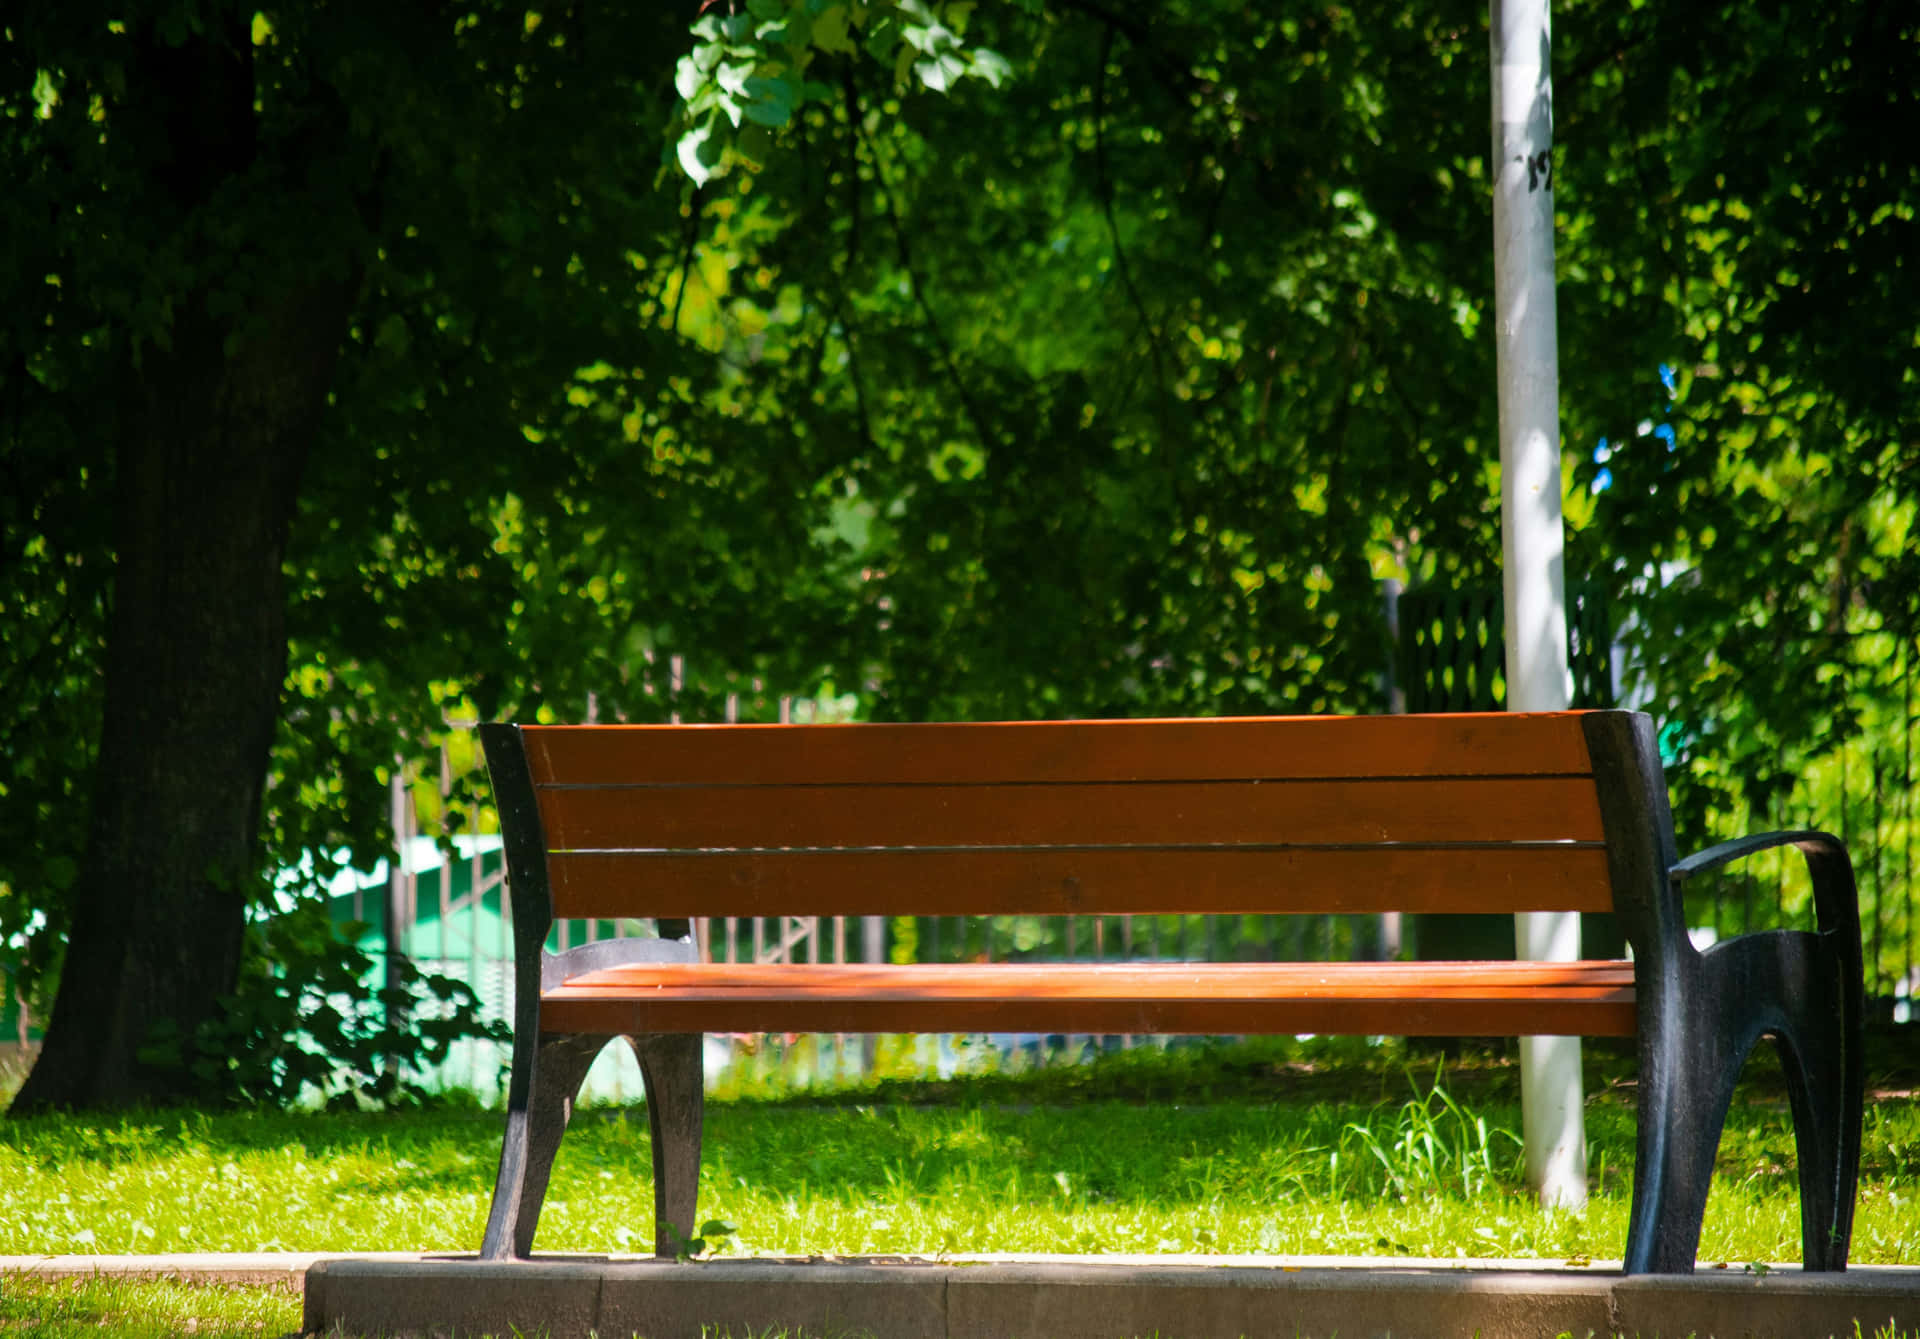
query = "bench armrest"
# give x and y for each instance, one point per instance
(558, 968)
(1836, 900)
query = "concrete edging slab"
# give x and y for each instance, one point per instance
(1081, 1298)
(1031, 1296)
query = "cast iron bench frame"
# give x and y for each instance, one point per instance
(1486, 813)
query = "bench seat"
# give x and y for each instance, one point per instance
(1388, 999)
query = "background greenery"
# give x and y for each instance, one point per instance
(1107, 372)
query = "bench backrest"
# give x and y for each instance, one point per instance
(1484, 813)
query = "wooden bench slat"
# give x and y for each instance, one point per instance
(1595, 998)
(1108, 881)
(1280, 747)
(1005, 979)
(1134, 813)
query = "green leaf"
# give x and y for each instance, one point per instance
(830, 32)
(698, 153)
(927, 39)
(941, 72)
(772, 101)
(46, 94)
(881, 40)
(797, 34)
(733, 78)
(991, 66)
(688, 77)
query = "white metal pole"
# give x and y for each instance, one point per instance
(1533, 531)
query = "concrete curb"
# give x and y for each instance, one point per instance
(1033, 1296)
(1067, 1298)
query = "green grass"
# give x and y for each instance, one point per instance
(1266, 1148)
(43, 1308)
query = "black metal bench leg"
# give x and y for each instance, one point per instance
(670, 1065)
(1827, 1147)
(1802, 990)
(1683, 1102)
(1820, 1055)
(533, 1137)
(1798, 989)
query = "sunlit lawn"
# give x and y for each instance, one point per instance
(1263, 1148)
(143, 1309)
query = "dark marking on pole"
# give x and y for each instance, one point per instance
(1539, 170)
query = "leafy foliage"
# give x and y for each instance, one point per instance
(1749, 231)
(305, 1024)
(714, 1237)
(1102, 472)
(747, 71)
(528, 477)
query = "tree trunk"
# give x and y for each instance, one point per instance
(213, 441)
(215, 421)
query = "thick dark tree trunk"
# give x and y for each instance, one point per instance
(209, 464)
(215, 425)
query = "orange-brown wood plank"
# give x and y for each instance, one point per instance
(1133, 813)
(1001, 980)
(1479, 744)
(1594, 999)
(1113, 881)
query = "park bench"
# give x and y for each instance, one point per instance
(1465, 813)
